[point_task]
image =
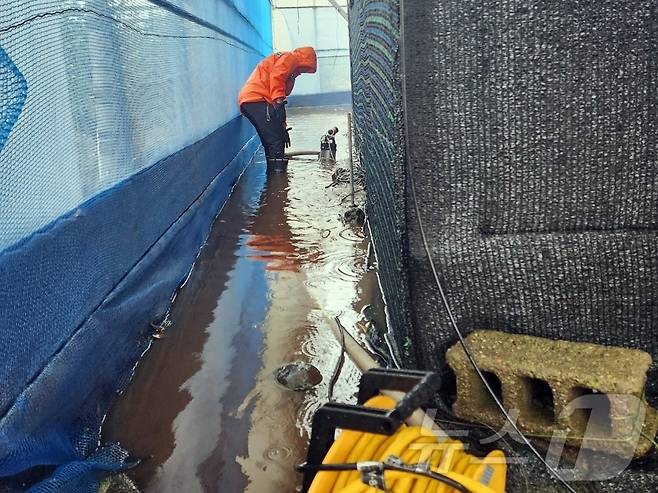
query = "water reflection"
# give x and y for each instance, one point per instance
(271, 238)
(204, 404)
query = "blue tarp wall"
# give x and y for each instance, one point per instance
(120, 140)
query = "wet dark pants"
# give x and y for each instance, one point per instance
(270, 125)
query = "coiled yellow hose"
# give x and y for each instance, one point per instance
(414, 445)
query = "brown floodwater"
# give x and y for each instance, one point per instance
(204, 410)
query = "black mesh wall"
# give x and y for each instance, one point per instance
(374, 33)
(530, 137)
(532, 144)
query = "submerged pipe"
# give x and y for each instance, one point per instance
(302, 153)
(365, 361)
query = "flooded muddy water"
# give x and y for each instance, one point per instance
(204, 409)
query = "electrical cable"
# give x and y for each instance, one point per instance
(439, 284)
(340, 362)
(408, 469)
(409, 450)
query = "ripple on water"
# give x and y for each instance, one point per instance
(350, 234)
(345, 265)
(277, 454)
(309, 348)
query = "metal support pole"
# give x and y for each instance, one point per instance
(349, 153)
(340, 9)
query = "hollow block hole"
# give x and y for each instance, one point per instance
(541, 403)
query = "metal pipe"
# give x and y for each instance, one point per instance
(364, 361)
(302, 153)
(349, 153)
(340, 9)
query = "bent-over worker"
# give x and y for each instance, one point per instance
(263, 97)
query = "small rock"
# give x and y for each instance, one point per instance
(355, 216)
(298, 376)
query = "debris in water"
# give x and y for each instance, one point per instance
(339, 173)
(298, 376)
(355, 216)
(376, 340)
(159, 331)
(368, 312)
(118, 483)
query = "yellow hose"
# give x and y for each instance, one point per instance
(413, 445)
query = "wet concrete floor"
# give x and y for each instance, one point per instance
(204, 408)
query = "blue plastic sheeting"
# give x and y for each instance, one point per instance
(98, 337)
(13, 91)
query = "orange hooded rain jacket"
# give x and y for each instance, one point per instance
(274, 77)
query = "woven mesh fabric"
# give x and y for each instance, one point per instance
(113, 87)
(531, 141)
(374, 40)
(13, 90)
(533, 146)
(120, 139)
(83, 476)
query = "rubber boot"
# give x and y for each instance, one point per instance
(277, 165)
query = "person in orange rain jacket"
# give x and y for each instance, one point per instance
(263, 97)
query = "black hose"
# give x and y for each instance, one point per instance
(340, 362)
(353, 466)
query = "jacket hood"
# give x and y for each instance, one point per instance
(307, 59)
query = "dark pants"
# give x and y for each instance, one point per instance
(270, 124)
